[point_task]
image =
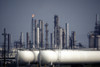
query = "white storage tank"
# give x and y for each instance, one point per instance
(69, 56)
(47, 56)
(78, 56)
(25, 56)
(36, 53)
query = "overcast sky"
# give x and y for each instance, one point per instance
(16, 16)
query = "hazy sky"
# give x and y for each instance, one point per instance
(15, 16)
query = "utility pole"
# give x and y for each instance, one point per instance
(4, 34)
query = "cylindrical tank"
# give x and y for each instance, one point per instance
(69, 56)
(25, 56)
(47, 56)
(36, 53)
(78, 56)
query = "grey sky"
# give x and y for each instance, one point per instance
(15, 16)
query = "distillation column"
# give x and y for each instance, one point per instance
(46, 30)
(21, 40)
(56, 31)
(32, 32)
(67, 35)
(27, 40)
(41, 33)
(60, 45)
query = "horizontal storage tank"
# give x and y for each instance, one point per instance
(36, 53)
(25, 56)
(47, 56)
(69, 56)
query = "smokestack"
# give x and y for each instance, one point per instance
(67, 34)
(46, 30)
(27, 40)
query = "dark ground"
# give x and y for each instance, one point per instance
(57, 65)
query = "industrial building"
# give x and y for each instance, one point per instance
(61, 49)
(94, 36)
(59, 37)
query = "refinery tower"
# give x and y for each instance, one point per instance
(94, 36)
(59, 37)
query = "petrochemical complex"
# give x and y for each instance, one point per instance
(59, 38)
(44, 48)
